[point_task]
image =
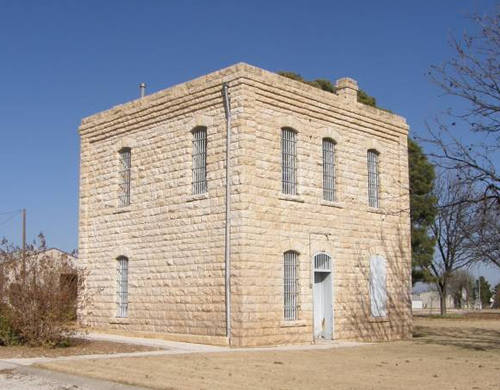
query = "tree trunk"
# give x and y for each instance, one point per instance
(442, 303)
(442, 298)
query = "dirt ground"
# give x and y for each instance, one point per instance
(77, 347)
(452, 353)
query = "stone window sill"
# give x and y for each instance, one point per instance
(291, 198)
(290, 324)
(328, 203)
(377, 210)
(193, 198)
(119, 320)
(378, 319)
(122, 209)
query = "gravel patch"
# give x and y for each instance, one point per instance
(27, 378)
(12, 380)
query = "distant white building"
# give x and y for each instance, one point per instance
(58, 254)
(427, 299)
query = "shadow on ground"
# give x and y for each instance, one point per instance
(471, 338)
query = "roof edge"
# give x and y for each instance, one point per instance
(220, 73)
(223, 74)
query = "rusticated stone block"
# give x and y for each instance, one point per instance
(175, 240)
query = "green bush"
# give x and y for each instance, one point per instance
(8, 336)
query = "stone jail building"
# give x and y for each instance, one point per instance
(318, 214)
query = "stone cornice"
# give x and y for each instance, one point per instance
(268, 87)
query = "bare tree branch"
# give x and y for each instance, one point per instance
(448, 230)
(473, 76)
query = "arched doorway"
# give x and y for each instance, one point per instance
(323, 297)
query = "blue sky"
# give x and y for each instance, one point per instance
(63, 60)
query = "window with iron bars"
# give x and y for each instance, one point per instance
(328, 169)
(373, 179)
(122, 286)
(288, 161)
(291, 286)
(125, 164)
(199, 160)
(322, 262)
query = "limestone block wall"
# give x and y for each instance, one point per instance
(347, 229)
(175, 241)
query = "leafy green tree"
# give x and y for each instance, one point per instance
(324, 84)
(423, 209)
(364, 98)
(327, 85)
(496, 297)
(485, 292)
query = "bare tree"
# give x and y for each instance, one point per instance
(37, 295)
(461, 287)
(473, 76)
(453, 249)
(483, 232)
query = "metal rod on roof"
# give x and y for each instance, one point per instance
(24, 230)
(142, 89)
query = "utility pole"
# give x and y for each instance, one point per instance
(478, 305)
(479, 290)
(24, 230)
(23, 253)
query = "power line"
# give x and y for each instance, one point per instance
(8, 219)
(10, 212)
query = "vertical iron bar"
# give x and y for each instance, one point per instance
(373, 186)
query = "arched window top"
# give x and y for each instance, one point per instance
(121, 257)
(374, 151)
(199, 128)
(329, 140)
(125, 149)
(322, 262)
(288, 128)
(376, 260)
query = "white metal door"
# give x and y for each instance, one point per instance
(323, 310)
(323, 296)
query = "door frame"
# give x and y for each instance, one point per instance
(332, 285)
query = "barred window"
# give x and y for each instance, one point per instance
(125, 164)
(122, 286)
(291, 285)
(378, 286)
(373, 179)
(288, 161)
(328, 169)
(199, 160)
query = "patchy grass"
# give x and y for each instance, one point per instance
(75, 347)
(445, 354)
(479, 331)
(473, 315)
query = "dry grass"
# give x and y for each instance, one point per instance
(445, 354)
(77, 347)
